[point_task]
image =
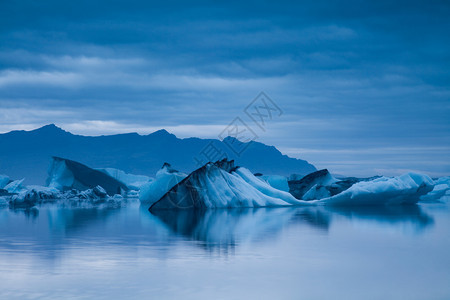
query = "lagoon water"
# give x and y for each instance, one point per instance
(397, 252)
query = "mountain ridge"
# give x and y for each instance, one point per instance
(27, 154)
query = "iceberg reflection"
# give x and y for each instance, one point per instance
(49, 232)
(229, 227)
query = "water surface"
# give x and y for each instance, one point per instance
(397, 252)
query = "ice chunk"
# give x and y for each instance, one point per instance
(96, 193)
(404, 189)
(441, 191)
(65, 174)
(165, 179)
(4, 180)
(32, 195)
(39, 195)
(15, 186)
(298, 188)
(276, 181)
(132, 181)
(321, 184)
(317, 192)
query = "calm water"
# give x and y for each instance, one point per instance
(288, 253)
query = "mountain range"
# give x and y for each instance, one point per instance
(27, 154)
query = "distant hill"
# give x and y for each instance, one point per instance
(28, 153)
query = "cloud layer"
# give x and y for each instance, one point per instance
(364, 87)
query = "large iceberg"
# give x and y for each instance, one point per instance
(65, 174)
(70, 184)
(222, 185)
(132, 181)
(165, 179)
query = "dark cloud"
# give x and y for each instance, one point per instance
(364, 75)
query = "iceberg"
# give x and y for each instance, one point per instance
(4, 180)
(69, 184)
(34, 195)
(404, 189)
(276, 181)
(165, 179)
(321, 184)
(315, 180)
(15, 186)
(222, 185)
(133, 182)
(65, 174)
(440, 192)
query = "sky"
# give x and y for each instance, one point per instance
(362, 87)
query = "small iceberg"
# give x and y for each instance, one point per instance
(440, 192)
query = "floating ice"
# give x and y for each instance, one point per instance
(441, 191)
(165, 179)
(65, 174)
(314, 181)
(132, 181)
(4, 180)
(31, 195)
(221, 185)
(15, 186)
(317, 192)
(39, 195)
(321, 184)
(404, 189)
(276, 181)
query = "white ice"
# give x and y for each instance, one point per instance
(60, 177)
(164, 180)
(276, 181)
(403, 189)
(15, 186)
(4, 180)
(441, 191)
(132, 181)
(218, 188)
(316, 192)
(36, 193)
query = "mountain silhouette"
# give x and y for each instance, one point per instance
(27, 154)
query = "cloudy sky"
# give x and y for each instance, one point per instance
(364, 86)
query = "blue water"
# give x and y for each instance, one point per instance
(285, 253)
